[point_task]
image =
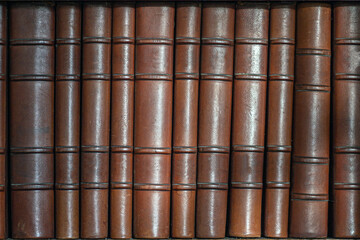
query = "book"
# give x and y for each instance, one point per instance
(3, 120)
(31, 96)
(346, 117)
(279, 119)
(67, 120)
(153, 119)
(216, 80)
(248, 123)
(185, 119)
(122, 119)
(95, 128)
(311, 126)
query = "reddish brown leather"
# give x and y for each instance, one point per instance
(186, 87)
(3, 120)
(346, 118)
(32, 34)
(214, 118)
(279, 119)
(248, 127)
(311, 127)
(122, 118)
(96, 71)
(67, 119)
(153, 119)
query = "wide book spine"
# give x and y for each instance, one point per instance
(32, 34)
(185, 119)
(95, 113)
(216, 80)
(3, 119)
(67, 119)
(311, 127)
(248, 122)
(346, 119)
(279, 119)
(122, 120)
(153, 118)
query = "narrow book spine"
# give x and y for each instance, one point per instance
(32, 34)
(186, 86)
(346, 119)
(95, 135)
(311, 128)
(67, 119)
(248, 129)
(3, 116)
(153, 119)
(122, 119)
(214, 118)
(279, 121)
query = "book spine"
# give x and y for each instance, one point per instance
(215, 97)
(153, 119)
(3, 119)
(346, 118)
(67, 119)
(95, 135)
(186, 87)
(32, 34)
(311, 127)
(279, 121)
(122, 118)
(248, 129)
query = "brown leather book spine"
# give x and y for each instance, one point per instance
(67, 119)
(186, 87)
(153, 119)
(122, 119)
(279, 121)
(95, 133)
(311, 127)
(32, 37)
(346, 118)
(248, 129)
(3, 119)
(217, 49)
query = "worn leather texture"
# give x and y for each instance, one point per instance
(311, 127)
(67, 120)
(215, 97)
(3, 119)
(95, 128)
(32, 37)
(185, 119)
(279, 119)
(122, 119)
(248, 120)
(346, 118)
(155, 22)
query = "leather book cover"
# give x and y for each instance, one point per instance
(311, 123)
(122, 120)
(185, 119)
(32, 57)
(346, 119)
(216, 80)
(279, 119)
(155, 22)
(248, 120)
(3, 119)
(67, 119)
(95, 128)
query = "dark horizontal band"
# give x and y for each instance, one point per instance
(48, 149)
(184, 149)
(121, 185)
(250, 77)
(281, 77)
(347, 149)
(282, 40)
(152, 150)
(278, 185)
(216, 77)
(346, 186)
(66, 41)
(154, 76)
(309, 197)
(347, 41)
(213, 149)
(32, 186)
(278, 148)
(90, 148)
(67, 186)
(122, 149)
(123, 77)
(96, 76)
(245, 40)
(184, 186)
(67, 149)
(217, 41)
(31, 77)
(215, 186)
(310, 160)
(94, 185)
(3, 41)
(31, 41)
(103, 40)
(123, 40)
(162, 41)
(247, 148)
(152, 186)
(247, 185)
(310, 87)
(187, 40)
(186, 76)
(313, 51)
(347, 77)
